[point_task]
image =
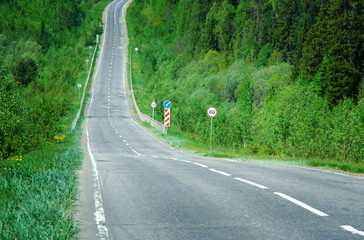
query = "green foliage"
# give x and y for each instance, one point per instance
(334, 50)
(38, 194)
(46, 22)
(25, 71)
(283, 75)
(39, 74)
(11, 117)
(209, 37)
(43, 45)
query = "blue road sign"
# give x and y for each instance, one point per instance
(167, 104)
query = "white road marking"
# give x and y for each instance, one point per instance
(116, 8)
(220, 172)
(185, 161)
(301, 204)
(99, 208)
(201, 165)
(352, 230)
(251, 183)
(137, 152)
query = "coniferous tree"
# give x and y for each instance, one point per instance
(333, 50)
(224, 27)
(209, 38)
(283, 35)
(25, 71)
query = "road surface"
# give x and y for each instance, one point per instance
(135, 187)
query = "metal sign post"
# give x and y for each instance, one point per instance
(154, 105)
(211, 112)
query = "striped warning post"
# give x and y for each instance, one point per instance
(167, 117)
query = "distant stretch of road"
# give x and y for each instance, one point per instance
(135, 187)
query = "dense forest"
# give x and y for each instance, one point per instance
(43, 47)
(285, 76)
(42, 56)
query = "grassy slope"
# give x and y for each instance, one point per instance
(188, 143)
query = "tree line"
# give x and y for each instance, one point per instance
(43, 46)
(285, 76)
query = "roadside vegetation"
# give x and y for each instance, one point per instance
(286, 77)
(43, 50)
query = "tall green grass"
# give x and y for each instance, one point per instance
(38, 193)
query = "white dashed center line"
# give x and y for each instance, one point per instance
(251, 183)
(201, 165)
(220, 172)
(301, 204)
(353, 230)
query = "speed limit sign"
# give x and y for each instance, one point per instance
(212, 112)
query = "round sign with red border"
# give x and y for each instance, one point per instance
(153, 104)
(212, 112)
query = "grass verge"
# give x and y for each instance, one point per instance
(38, 192)
(188, 143)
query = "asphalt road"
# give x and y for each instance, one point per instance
(132, 186)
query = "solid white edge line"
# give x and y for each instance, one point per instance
(301, 204)
(251, 183)
(99, 209)
(352, 230)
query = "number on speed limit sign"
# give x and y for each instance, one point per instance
(212, 112)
